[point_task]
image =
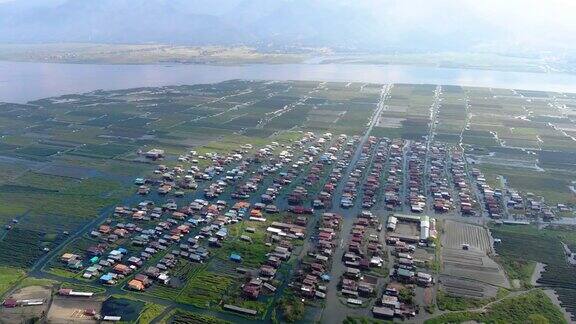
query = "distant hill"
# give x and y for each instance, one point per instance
(355, 24)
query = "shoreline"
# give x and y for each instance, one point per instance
(554, 298)
(539, 268)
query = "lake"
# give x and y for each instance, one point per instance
(21, 82)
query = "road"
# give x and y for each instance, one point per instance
(334, 310)
(334, 305)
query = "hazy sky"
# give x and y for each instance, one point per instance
(526, 21)
(529, 24)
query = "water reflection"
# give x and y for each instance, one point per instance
(20, 82)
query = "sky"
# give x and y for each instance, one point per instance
(523, 21)
(538, 24)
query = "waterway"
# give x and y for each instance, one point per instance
(23, 81)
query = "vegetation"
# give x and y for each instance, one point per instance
(8, 277)
(406, 295)
(452, 303)
(86, 149)
(518, 269)
(20, 247)
(31, 281)
(530, 307)
(184, 317)
(150, 312)
(362, 320)
(522, 244)
(205, 289)
(292, 308)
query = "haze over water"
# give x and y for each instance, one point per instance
(22, 82)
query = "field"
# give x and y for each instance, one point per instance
(550, 184)
(205, 289)
(181, 317)
(522, 244)
(451, 303)
(9, 277)
(408, 106)
(71, 159)
(530, 307)
(469, 273)
(78, 155)
(460, 233)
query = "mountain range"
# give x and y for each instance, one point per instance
(348, 24)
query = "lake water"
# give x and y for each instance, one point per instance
(21, 82)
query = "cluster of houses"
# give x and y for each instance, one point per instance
(492, 197)
(390, 306)
(72, 261)
(310, 280)
(461, 183)
(281, 236)
(351, 187)
(372, 182)
(324, 198)
(438, 184)
(181, 178)
(405, 266)
(515, 200)
(364, 252)
(416, 196)
(395, 177)
(532, 206)
(404, 275)
(146, 241)
(300, 193)
(242, 191)
(115, 262)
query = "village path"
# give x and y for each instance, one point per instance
(335, 311)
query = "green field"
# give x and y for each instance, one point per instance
(531, 307)
(523, 245)
(184, 317)
(9, 277)
(76, 158)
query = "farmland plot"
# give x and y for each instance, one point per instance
(469, 272)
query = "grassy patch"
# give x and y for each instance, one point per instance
(453, 303)
(518, 269)
(521, 309)
(292, 308)
(31, 281)
(8, 277)
(521, 244)
(184, 317)
(150, 312)
(205, 289)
